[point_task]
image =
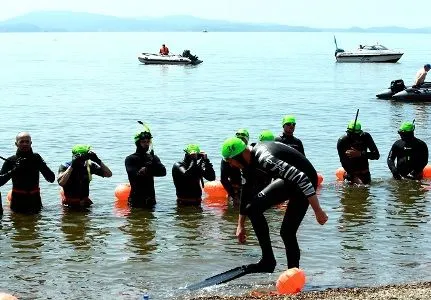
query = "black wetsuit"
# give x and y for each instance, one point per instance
(231, 179)
(357, 166)
(295, 179)
(25, 180)
(141, 169)
(291, 141)
(187, 176)
(411, 155)
(78, 184)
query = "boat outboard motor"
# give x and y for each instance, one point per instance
(193, 58)
(397, 86)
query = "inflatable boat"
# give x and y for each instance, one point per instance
(398, 91)
(156, 59)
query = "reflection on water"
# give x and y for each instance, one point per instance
(140, 229)
(190, 225)
(26, 238)
(75, 225)
(355, 226)
(407, 203)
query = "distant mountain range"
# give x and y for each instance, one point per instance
(64, 21)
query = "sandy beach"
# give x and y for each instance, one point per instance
(416, 291)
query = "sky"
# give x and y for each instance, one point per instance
(311, 13)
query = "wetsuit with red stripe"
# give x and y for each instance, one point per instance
(295, 179)
(25, 180)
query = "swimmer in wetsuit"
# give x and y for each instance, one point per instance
(75, 176)
(295, 179)
(231, 178)
(410, 153)
(352, 150)
(142, 166)
(288, 123)
(24, 168)
(189, 173)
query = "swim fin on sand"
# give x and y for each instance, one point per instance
(222, 277)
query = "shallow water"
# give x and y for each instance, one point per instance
(68, 88)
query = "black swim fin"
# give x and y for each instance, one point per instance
(221, 278)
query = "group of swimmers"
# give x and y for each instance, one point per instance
(257, 176)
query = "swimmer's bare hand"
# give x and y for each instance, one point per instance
(241, 234)
(321, 216)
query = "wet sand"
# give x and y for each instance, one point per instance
(413, 291)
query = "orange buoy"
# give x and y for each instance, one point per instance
(427, 171)
(340, 173)
(291, 281)
(122, 191)
(9, 196)
(319, 179)
(214, 189)
(4, 296)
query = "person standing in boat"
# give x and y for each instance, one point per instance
(75, 176)
(288, 123)
(410, 153)
(421, 75)
(294, 178)
(24, 168)
(164, 50)
(231, 178)
(142, 166)
(352, 150)
(189, 173)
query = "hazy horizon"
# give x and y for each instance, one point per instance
(313, 13)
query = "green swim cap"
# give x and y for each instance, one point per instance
(407, 127)
(242, 133)
(192, 148)
(80, 149)
(266, 135)
(142, 135)
(232, 147)
(288, 119)
(357, 126)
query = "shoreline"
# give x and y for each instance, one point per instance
(408, 291)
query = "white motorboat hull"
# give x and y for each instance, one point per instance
(368, 58)
(155, 59)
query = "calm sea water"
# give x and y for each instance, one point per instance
(68, 88)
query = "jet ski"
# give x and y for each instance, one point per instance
(402, 92)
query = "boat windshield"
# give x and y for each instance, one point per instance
(375, 47)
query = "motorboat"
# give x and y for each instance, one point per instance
(367, 54)
(398, 91)
(186, 58)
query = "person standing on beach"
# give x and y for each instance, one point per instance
(75, 176)
(288, 123)
(352, 150)
(24, 168)
(294, 178)
(142, 166)
(231, 178)
(410, 153)
(189, 173)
